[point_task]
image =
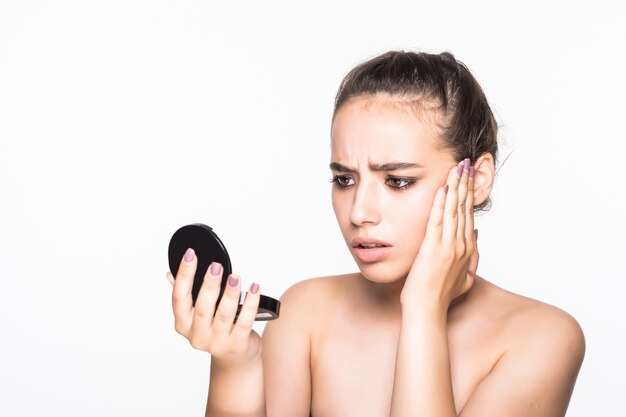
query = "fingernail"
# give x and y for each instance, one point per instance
(459, 170)
(476, 234)
(254, 288)
(233, 281)
(445, 189)
(216, 268)
(189, 255)
(466, 163)
(471, 171)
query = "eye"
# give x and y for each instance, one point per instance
(398, 183)
(342, 181)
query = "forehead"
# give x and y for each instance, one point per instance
(375, 129)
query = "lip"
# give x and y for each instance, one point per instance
(367, 241)
(369, 255)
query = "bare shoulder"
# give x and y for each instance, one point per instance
(531, 322)
(287, 347)
(541, 349)
(310, 287)
(310, 298)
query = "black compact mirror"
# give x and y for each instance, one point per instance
(209, 248)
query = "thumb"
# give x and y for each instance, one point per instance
(473, 262)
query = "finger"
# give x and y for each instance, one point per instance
(181, 296)
(170, 278)
(227, 308)
(205, 303)
(450, 215)
(469, 206)
(435, 219)
(245, 320)
(460, 231)
(473, 262)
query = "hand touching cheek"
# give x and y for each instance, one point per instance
(445, 266)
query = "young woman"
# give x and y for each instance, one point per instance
(415, 332)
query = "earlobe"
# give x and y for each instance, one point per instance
(484, 173)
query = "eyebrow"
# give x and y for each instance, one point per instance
(390, 166)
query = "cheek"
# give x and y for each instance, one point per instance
(340, 207)
(413, 217)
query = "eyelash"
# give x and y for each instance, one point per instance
(408, 182)
(336, 178)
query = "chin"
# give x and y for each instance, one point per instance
(381, 273)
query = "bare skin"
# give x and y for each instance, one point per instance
(353, 346)
(415, 331)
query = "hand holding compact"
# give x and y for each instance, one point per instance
(210, 326)
(209, 308)
(446, 264)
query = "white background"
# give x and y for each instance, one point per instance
(121, 121)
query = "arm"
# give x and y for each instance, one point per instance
(534, 377)
(236, 390)
(282, 370)
(236, 385)
(422, 384)
(444, 268)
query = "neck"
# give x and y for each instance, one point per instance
(385, 296)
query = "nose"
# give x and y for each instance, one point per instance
(365, 205)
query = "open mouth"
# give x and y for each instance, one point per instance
(368, 243)
(369, 250)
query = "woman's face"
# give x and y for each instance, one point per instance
(386, 169)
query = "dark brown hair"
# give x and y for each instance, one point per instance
(467, 125)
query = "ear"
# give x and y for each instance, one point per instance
(484, 173)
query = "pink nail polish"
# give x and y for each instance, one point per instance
(445, 189)
(254, 289)
(189, 255)
(233, 281)
(459, 171)
(476, 234)
(471, 170)
(466, 163)
(216, 268)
